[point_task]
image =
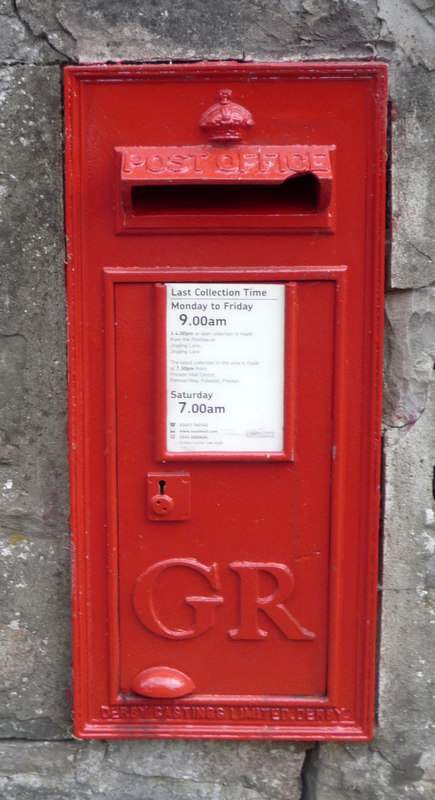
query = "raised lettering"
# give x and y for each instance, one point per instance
(177, 163)
(227, 162)
(320, 161)
(272, 605)
(268, 161)
(298, 162)
(155, 163)
(144, 602)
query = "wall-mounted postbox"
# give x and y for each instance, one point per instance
(225, 235)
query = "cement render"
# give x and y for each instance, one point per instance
(38, 757)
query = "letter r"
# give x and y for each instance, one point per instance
(272, 605)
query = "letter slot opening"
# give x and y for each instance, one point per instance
(244, 187)
(300, 194)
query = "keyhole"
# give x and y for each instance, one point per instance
(162, 485)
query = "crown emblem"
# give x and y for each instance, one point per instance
(226, 121)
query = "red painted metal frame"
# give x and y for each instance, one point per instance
(345, 712)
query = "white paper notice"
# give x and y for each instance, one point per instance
(225, 367)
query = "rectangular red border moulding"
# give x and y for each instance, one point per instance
(262, 604)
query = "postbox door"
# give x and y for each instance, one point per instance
(235, 597)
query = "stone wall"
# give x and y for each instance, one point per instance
(38, 757)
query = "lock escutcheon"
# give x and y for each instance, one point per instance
(168, 496)
(162, 504)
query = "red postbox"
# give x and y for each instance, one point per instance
(225, 252)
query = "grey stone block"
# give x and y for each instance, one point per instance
(34, 549)
(150, 770)
(413, 174)
(361, 772)
(409, 418)
(410, 27)
(18, 45)
(259, 29)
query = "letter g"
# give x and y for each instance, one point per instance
(144, 604)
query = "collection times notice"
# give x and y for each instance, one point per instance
(225, 367)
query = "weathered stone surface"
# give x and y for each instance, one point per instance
(399, 763)
(150, 770)
(252, 29)
(17, 43)
(34, 551)
(361, 772)
(407, 697)
(409, 357)
(413, 174)
(407, 42)
(410, 27)
(292, 29)
(34, 558)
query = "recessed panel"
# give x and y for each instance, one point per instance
(236, 596)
